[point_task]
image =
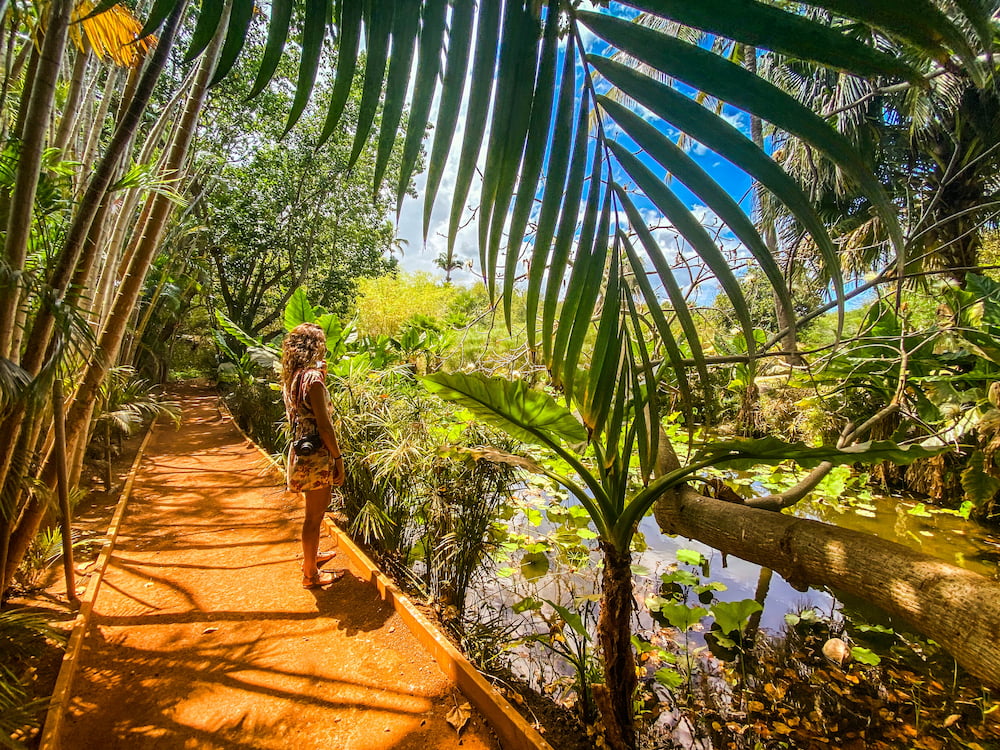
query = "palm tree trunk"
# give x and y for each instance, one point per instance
(954, 607)
(22, 201)
(614, 634)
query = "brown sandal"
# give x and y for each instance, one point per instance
(324, 557)
(321, 578)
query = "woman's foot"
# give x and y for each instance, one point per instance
(321, 578)
(324, 557)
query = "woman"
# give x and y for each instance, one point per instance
(307, 403)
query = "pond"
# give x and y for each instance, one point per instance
(550, 556)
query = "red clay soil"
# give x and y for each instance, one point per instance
(202, 636)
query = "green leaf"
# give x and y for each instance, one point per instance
(680, 576)
(161, 9)
(918, 22)
(528, 415)
(534, 152)
(459, 46)
(730, 616)
(687, 171)
(235, 331)
(692, 230)
(668, 677)
(483, 65)
(313, 34)
(690, 557)
(378, 25)
(865, 656)
(556, 172)
(718, 135)
(432, 32)
(209, 17)
(566, 235)
(298, 310)
(348, 38)
(527, 604)
(769, 27)
(534, 565)
(572, 619)
(979, 486)
(236, 34)
(681, 616)
(511, 118)
(400, 68)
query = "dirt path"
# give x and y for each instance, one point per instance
(202, 636)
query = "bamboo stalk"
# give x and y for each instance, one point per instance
(65, 521)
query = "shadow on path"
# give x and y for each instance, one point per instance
(202, 636)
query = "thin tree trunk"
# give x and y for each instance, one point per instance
(29, 164)
(79, 415)
(94, 197)
(71, 112)
(785, 317)
(89, 153)
(65, 520)
(30, 76)
(955, 607)
(614, 634)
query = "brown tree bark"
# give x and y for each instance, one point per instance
(955, 607)
(614, 634)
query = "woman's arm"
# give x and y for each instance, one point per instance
(318, 399)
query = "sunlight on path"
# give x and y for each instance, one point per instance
(202, 636)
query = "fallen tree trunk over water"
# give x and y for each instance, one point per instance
(955, 607)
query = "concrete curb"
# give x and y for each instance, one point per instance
(62, 693)
(513, 730)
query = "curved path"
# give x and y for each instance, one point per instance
(202, 636)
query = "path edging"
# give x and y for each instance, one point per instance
(61, 694)
(513, 730)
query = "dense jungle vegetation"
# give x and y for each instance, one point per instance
(181, 184)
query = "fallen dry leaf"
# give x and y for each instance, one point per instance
(458, 717)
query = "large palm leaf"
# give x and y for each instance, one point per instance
(569, 175)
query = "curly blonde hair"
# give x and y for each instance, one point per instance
(302, 348)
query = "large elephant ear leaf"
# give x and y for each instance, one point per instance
(738, 454)
(298, 310)
(526, 414)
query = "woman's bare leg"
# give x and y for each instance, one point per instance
(317, 501)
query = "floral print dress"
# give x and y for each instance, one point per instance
(315, 471)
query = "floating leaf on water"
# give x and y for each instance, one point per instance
(919, 510)
(534, 565)
(682, 616)
(681, 578)
(865, 513)
(865, 656)
(690, 557)
(730, 616)
(526, 604)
